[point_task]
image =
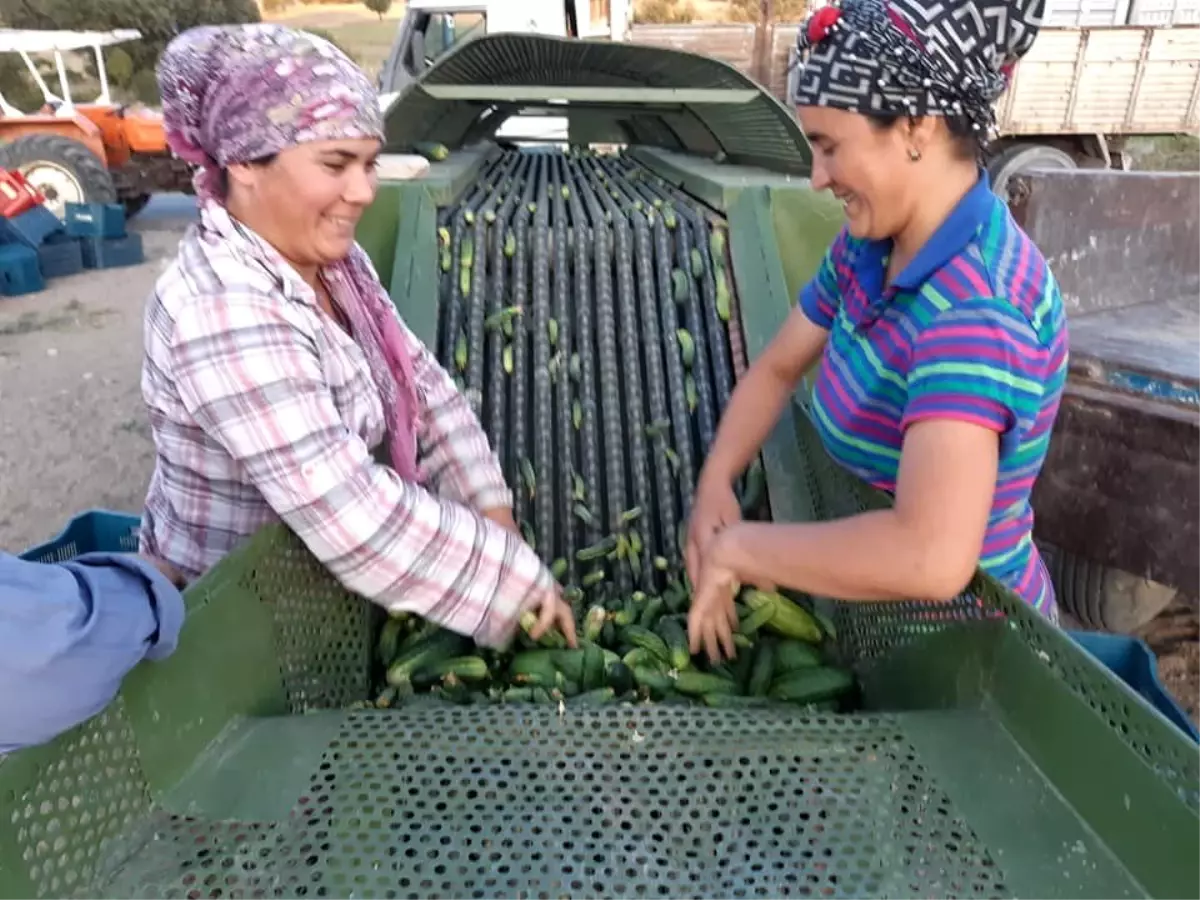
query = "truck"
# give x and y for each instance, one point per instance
(1081, 94)
(1098, 75)
(973, 748)
(429, 29)
(1117, 502)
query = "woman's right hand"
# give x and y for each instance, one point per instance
(552, 611)
(714, 508)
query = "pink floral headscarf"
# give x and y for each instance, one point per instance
(236, 94)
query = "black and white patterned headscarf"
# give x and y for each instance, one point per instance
(915, 57)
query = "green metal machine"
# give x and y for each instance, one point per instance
(988, 755)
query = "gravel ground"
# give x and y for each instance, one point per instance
(73, 433)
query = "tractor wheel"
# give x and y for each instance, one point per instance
(134, 205)
(63, 169)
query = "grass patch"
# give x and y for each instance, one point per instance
(1166, 153)
(367, 42)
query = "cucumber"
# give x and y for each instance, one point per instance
(648, 641)
(674, 635)
(534, 667)
(592, 676)
(464, 668)
(438, 646)
(812, 685)
(389, 639)
(655, 684)
(792, 656)
(697, 684)
(641, 658)
(596, 697)
(763, 669)
(650, 612)
(619, 677)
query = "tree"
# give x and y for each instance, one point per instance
(144, 86)
(119, 65)
(158, 20)
(379, 7)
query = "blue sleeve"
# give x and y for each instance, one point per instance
(820, 298)
(70, 632)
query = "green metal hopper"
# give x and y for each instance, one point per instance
(990, 756)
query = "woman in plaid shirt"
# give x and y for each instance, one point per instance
(277, 372)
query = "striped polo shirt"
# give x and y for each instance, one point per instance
(973, 330)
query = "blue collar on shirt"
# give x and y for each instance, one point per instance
(950, 239)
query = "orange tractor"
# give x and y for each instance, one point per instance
(95, 152)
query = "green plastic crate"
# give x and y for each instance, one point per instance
(994, 758)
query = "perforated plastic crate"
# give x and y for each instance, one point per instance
(58, 259)
(111, 253)
(89, 532)
(30, 227)
(19, 272)
(95, 220)
(1132, 660)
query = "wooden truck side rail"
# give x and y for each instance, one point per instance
(1122, 80)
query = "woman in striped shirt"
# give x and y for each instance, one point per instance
(280, 382)
(938, 330)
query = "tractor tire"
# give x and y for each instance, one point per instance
(65, 170)
(1101, 598)
(1024, 157)
(134, 205)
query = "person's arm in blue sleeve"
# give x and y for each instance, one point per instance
(70, 632)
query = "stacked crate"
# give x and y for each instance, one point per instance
(100, 230)
(36, 245)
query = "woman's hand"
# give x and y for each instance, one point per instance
(714, 509)
(553, 611)
(712, 618)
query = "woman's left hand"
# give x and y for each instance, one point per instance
(502, 516)
(712, 618)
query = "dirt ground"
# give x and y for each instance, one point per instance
(73, 433)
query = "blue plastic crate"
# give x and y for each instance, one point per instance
(97, 530)
(1131, 660)
(57, 258)
(19, 271)
(103, 253)
(95, 220)
(30, 228)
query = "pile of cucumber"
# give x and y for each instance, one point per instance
(638, 652)
(584, 308)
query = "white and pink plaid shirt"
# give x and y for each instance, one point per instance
(263, 409)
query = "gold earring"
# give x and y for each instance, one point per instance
(914, 155)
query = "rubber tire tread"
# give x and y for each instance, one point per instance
(89, 170)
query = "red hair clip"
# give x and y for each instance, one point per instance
(821, 23)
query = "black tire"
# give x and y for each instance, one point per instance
(134, 205)
(1101, 598)
(87, 170)
(1024, 157)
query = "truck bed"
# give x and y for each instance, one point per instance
(1121, 481)
(1150, 348)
